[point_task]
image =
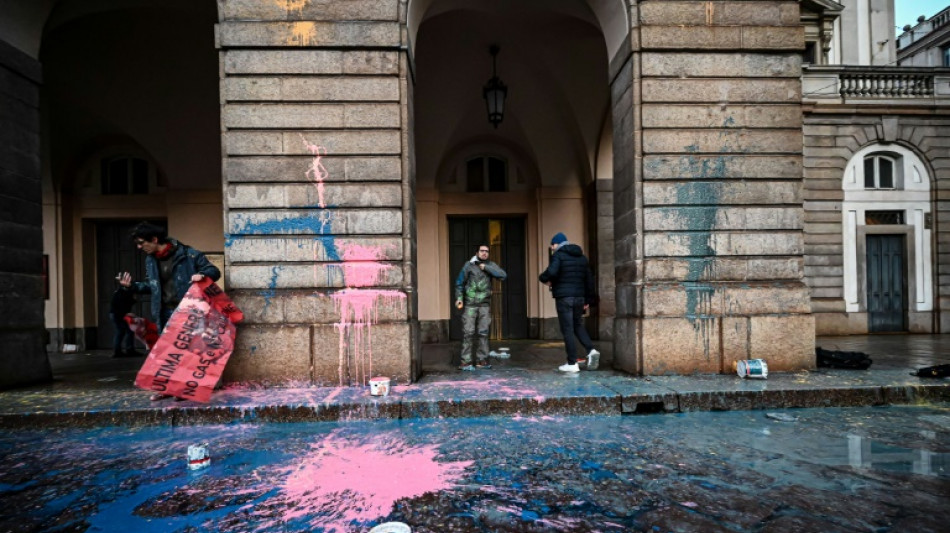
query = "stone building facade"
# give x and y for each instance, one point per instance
(875, 174)
(664, 136)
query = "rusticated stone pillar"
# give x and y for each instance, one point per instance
(318, 196)
(708, 200)
(23, 359)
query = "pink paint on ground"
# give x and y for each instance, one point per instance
(316, 170)
(339, 482)
(499, 386)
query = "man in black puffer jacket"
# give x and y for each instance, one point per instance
(572, 285)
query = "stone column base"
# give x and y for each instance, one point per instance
(677, 345)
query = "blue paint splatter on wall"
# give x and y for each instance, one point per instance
(329, 247)
(308, 223)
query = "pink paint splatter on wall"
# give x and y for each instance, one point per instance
(361, 266)
(359, 308)
(358, 305)
(359, 311)
(339, 483)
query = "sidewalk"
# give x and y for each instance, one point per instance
(92, 389)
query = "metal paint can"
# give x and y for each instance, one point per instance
(379, 386)
(752, 368)
(391, 527)
(198, 456)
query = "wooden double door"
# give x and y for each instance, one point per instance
(506, 238)
(115, 252)
(887, 287)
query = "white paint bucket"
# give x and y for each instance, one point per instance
(198, 456)
(391, 527)
(752, 368)
(379, 386)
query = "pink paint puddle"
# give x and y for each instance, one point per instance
(339, 483)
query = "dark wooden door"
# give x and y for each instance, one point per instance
(887, 302)
(115, 252)
(506, 238)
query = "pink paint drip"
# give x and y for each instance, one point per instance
(316, 171)
(337, 482)
(359, 310)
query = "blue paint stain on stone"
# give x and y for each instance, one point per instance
(271, 291)
(700, 223)
(309, 223)
(530, 516)
(329, 246)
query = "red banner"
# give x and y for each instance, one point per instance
(190, 355)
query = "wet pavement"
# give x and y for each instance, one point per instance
(882, 469)
(92, 389)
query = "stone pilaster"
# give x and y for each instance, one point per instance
(709, 221)
(316, 190)
(23, 360)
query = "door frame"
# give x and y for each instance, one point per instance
(454, 268)
(910, 277)
(102, 336)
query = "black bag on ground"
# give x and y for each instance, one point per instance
(841, 359)
(938, 371)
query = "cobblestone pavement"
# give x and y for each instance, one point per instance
(882, 469)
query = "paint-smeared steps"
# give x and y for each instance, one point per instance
(504, 392)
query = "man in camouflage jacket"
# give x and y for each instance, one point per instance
(473, 297)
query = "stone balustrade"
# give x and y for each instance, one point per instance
(895, 85)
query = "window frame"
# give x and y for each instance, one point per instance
(132, 164)
(876, 157)
(486, 181)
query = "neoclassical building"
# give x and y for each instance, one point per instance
(337, 159)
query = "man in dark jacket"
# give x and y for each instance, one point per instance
(170, 269)
(473, 297)
(572, 285)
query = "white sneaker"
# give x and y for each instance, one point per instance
(593, 360)
(569, 368)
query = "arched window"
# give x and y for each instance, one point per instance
(124, 174)
(486, 174)
(879, 172)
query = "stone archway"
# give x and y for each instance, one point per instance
(557, 71)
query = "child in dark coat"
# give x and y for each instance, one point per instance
(123, 342)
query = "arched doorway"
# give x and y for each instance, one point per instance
(132, 131)
(887, 228)
(553, 148)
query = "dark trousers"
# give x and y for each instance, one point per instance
(122, 340)
(570, 316)
(166, 315)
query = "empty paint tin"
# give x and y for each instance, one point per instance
(379, 386)
(198, 456)
(752, 368)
